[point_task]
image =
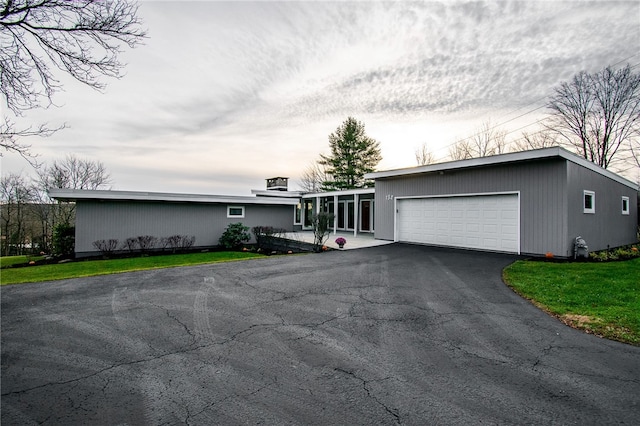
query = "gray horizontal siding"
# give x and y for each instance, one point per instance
(96, 220)
(541, 185)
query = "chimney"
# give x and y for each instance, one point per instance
(278, 184)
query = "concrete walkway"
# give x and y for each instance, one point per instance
(360, 241)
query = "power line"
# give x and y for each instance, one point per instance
(526, 113)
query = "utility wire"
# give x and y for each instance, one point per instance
(526, 113)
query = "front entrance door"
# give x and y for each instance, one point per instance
(308, 213)
(345, 215)
(366, 216)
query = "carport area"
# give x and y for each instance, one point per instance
(394, 334)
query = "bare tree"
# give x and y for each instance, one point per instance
(543, 139)
(15, 196)
(45, 213)
(81, 38)
(598, 113)
(634, 147)
(487, 140)
(461, 150)
(424, 156)
(72, 173)
(11, 138)
(313, 177)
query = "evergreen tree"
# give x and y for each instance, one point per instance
(353, 154)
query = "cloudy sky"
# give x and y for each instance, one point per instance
(225, 94)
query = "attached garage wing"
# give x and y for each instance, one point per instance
(485, 222)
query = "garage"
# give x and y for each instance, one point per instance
(485, 222)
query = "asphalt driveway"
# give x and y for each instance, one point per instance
(395, 334)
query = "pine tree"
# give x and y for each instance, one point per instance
(353, 154)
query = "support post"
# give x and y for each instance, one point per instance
(335, 214)
(356, 213)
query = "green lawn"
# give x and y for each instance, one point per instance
(114, 266)
(15, 260)
(600, 298)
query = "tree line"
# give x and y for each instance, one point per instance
(32, 222)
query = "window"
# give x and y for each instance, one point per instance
(297, 215)
(235, 211)
(625, 205)
(589, 202)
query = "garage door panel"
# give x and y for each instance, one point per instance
(473, 228)
(508, 230)
(488, 222)
(473, 214)
(488, 244)
(509, 214)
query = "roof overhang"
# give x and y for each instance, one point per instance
(102, 195)
(359, 191)
(279, 194)
(537, 154)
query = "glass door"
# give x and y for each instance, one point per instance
(366, 215)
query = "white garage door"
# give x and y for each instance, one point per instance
(487, 222)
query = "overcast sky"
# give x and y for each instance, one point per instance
(223, 95)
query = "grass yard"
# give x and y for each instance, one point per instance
(90, 268)
(15, 260)
(600, 298)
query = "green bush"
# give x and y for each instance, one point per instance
(234, 236)
(619, 253)
(64, 240)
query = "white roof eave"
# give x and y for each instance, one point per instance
(503, 159)
(106, 195)
(359, 191)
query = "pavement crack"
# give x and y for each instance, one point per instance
(365, 386)
(192, 416)
(176, 319)
(101, 371)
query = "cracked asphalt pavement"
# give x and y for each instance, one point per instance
(396, 334)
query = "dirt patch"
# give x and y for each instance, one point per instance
(579, 320)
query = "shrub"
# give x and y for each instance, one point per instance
(169, 242)
(146, 242)
(619, 253)
(64, 240)
(265, 234)
(131, 244)
(320, 224)
(234, 236)
(178, 242)
(186, 241)
(106, 246)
